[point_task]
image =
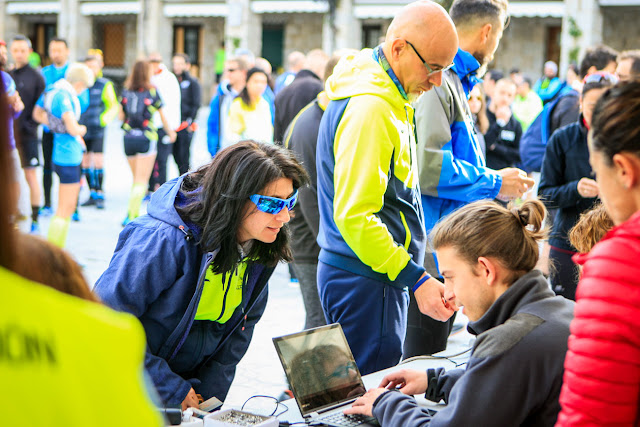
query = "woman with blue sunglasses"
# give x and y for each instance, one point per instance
(194, 270)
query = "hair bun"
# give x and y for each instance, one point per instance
(530, 215)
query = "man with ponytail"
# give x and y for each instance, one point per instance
(486, 255)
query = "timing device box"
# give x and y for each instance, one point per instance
(235, 418)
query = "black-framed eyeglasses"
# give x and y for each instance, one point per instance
(430, 71)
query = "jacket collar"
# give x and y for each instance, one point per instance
(378, 55)
(466, 67)
(529, 288)
(306, 73)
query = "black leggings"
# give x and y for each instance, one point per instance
(47, 170)
(564, 273)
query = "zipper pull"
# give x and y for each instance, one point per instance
(244, 321)
(186, 231)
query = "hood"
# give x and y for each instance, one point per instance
(529, 288)
(162, 203)
(224, 88)
(359, 74)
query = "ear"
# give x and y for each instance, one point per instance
(592, 70)
(627, 169)
(488, 269)
(397, 46)
(484, 32)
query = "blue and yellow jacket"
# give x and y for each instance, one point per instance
(371, 221)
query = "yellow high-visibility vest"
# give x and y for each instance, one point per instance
(69, 362)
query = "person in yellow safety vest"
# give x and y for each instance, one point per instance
(64, 361)
(74, 362)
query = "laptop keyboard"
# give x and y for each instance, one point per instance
(341, 419)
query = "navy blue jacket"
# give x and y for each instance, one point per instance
(565, 162)
(514, 373)
(157, 274)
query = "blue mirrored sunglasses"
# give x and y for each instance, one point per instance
(343, 371)
(273, 205)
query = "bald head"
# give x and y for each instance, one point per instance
(316, 61)
(295, 61)
(422, 29)
(420, 19)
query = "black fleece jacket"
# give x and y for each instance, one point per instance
(565, 162)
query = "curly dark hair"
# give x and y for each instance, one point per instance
(233, 175)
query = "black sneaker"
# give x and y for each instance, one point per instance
(90, 202)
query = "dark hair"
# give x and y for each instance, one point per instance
(8, 198)
(615, 126)
(495, 75)
(183, 56)
(469, 12)
(59, 40)
(634, 56)
(486, 229)
(90, 58)
(244, 94)
(598, 56)
(21, 38)
(226, 183)
(140, 77)
(526, 79)
(56, 268)
(593, 82)
(515, 70)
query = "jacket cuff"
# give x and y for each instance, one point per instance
(432, 392)
(497, 188)
(410, 274)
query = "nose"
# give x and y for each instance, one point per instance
(436, 79)
(283, 216)
(449, 295)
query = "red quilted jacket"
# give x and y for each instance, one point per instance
(602, 368)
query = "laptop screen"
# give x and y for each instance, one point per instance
(320, 367)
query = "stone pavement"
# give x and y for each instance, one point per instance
(92, 241)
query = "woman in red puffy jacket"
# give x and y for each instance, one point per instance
(602, 368)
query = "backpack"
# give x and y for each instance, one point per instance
(533, 143)
(136, 109)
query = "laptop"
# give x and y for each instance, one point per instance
(323, 375)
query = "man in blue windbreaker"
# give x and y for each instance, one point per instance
(452, 168)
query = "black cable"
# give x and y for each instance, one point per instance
(273, 414)
(446, 357)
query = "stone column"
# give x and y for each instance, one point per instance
(348, 32)
(328, 34)
(9, 24)
(588, 18)
(243, 27)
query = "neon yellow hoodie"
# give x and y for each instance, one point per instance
(371, 220)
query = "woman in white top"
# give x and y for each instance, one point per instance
(250, 115)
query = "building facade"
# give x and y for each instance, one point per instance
(539, 30)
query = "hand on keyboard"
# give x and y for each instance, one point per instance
(364, 405)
